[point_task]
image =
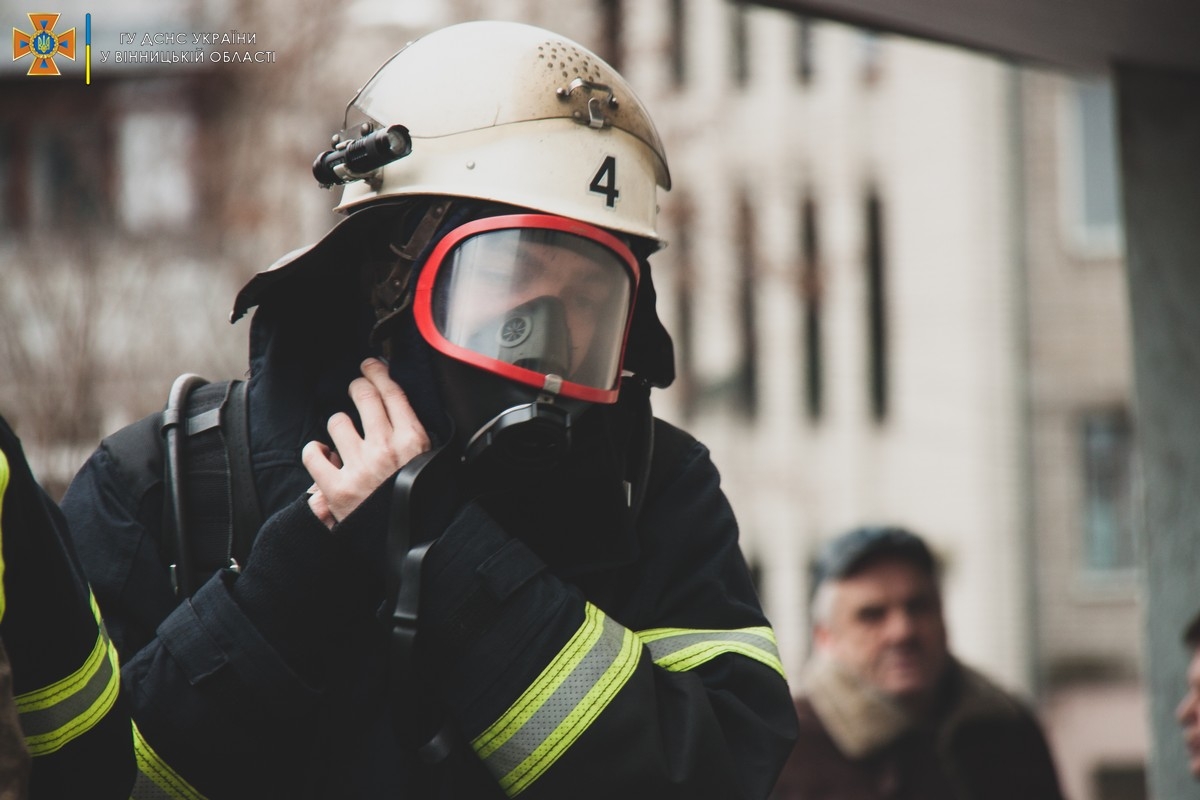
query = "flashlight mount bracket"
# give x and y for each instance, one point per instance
(361, 157)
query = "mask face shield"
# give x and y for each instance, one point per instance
(540, 300)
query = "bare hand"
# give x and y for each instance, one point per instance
(392, 436)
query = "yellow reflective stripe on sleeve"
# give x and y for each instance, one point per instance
(682, 649)
(561, 703)
(53, 716)
(3, 491)
(155, 779)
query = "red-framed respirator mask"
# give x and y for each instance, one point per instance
(537, 308)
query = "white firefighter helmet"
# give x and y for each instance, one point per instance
(515, 114)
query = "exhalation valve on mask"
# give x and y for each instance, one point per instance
(507, 424)
(534, 335)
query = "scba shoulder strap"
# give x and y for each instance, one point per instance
(199, 448)
(211, 509)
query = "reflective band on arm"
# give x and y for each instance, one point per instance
(156, 780)
(564, 700)
(53, 716)
(3, 490)
(682, 649)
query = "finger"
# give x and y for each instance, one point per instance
(344, 435)
(316, 459)
(371, 411)
(320, 508)
(392, 397)
(400, 412)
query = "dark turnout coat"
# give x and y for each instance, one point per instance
(73, 738)
(982, 744)
(573, 651)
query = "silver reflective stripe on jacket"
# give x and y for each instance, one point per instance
(53, 716)
(682, 649)
(561, 703)
(155, 779)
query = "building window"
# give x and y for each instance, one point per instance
(55, 167)
(685, 289)
(678, 15)
(155, 157)
(877, 333)
(1091, 191)
(612, 22)
(805, 65)
(811, 301)
(1108, 489)
(65, 185)
(746, 380)
(94, 158)
(870, 57)
(739, 42)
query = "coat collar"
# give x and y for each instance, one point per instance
(861, 721)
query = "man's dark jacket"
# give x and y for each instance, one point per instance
(575, 652)
(854, 744)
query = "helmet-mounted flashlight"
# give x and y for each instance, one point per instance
(355, 159)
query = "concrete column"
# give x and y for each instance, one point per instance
(1159, 118)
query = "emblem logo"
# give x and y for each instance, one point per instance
(43, 44)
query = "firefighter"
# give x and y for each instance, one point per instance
(64, 729)
(455, 381)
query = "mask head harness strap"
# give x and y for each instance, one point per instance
(392, 295)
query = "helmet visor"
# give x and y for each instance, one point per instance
(538, 299)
